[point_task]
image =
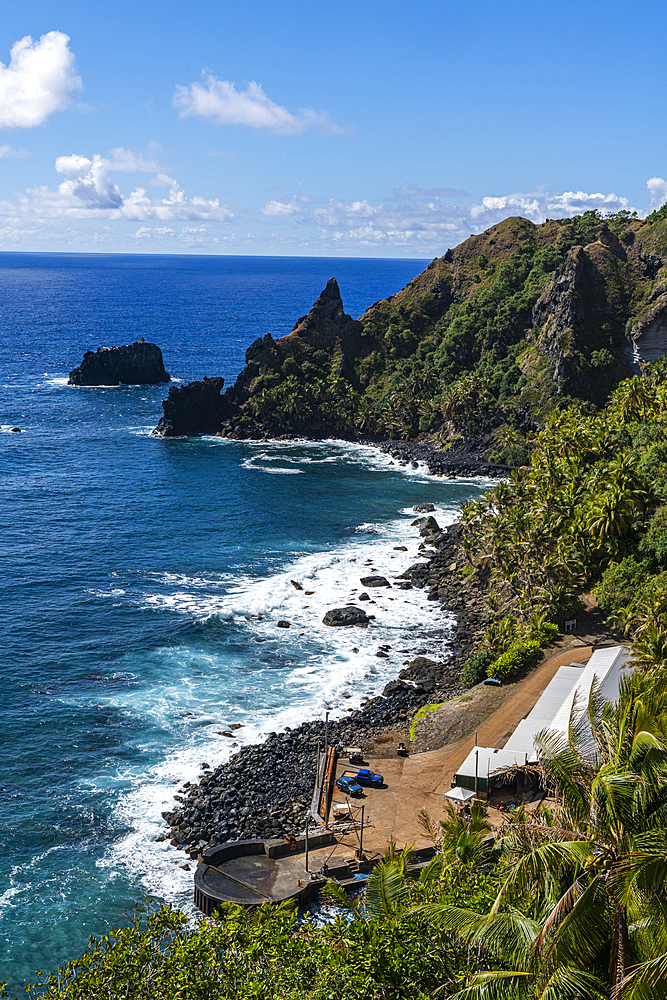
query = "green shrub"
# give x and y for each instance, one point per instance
(474, 669)
(654, 543)
(500, 635)
(601, 358)
(514, 454)
(541, 629)
(621, 584)
(517, 656)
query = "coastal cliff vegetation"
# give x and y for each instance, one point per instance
(588, 512)
(500, 331)
(528, 328)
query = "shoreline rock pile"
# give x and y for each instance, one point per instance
(265, 789)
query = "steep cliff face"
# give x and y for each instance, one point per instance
(498, 331)
(139, 363)
(649, 333)
(579, 320)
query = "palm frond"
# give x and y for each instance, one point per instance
(387, 889)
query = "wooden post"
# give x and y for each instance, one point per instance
(361, 835)
(476, 767)
(306, 838)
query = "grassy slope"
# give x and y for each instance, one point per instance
(501, 330)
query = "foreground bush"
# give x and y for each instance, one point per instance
(474, 669)
(517, 656)
(380, 950)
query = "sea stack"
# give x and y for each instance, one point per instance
(195, 408)
(139, 363)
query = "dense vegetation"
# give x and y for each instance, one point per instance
(500, 331)
(589, 511)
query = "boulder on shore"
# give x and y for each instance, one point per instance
(346, 616)
(374, 581)
(139, 363)
(195, 408)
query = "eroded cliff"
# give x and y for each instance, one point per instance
(498, 331)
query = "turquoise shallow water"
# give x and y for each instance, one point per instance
(134, 571)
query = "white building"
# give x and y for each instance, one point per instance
(606, 666)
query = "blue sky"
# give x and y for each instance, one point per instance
(372, 129)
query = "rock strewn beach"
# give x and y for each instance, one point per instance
(265, 789)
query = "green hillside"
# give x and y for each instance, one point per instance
(508, 326)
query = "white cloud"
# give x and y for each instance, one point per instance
(90, 192)
(223, 104)
(7, 153)
(537, 208)
(288, 206)
(424, 222)
(658, 188)
(41, 78)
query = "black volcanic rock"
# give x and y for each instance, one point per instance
(139, 363)
(345, 616)
(195, 408)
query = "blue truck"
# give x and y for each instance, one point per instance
(346, 783)
(367, 777)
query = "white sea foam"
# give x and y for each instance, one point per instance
(296, 674)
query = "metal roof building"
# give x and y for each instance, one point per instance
(552, 711)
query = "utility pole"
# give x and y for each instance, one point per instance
(306, 838)
(360, 853)
(476, 768)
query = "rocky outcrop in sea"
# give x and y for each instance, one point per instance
(195, 408)
(139, 363)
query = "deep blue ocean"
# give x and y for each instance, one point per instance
(141, 579)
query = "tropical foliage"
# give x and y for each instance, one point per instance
(458, 350)
(581, 907)
(569, 902)
(589, 511)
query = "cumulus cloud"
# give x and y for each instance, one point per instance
(658, 188)
(422, 221)
(286, 206)
(7, 153)
(90, 192)
(128, 162)
(223, 104)
(537, 208)
(41, 78)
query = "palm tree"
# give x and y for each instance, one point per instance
(576, 895)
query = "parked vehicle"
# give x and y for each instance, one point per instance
(401, 750)
(348, 784)
(355, 755)
(367, 777)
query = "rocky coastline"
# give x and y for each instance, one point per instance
(265, 789)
